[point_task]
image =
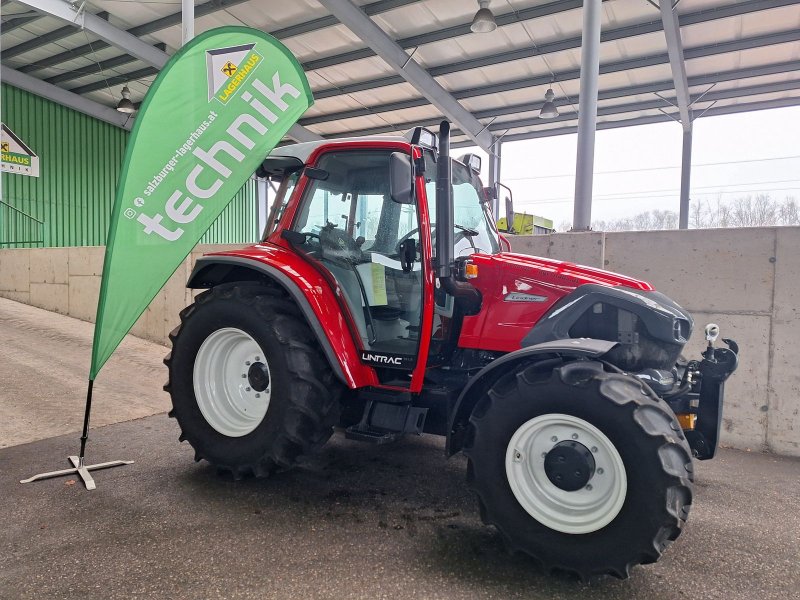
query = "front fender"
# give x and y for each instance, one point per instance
(483, 380)
(306, 286)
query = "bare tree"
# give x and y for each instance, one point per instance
(749, 211)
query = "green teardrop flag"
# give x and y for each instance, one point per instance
(211, 116)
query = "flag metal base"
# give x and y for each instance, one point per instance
(78, 465)
(80, 469)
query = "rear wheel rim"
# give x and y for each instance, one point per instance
(576, 512)
(229, 382)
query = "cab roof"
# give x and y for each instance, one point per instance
(303, 150)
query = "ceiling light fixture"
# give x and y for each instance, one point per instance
(549, 110)
(483, 22)
(125, 105)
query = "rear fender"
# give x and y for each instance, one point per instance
(309, 290)
(485, 378)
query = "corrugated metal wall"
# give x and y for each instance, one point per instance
(69, 204)
(238, 223)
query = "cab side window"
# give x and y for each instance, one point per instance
(354, 229)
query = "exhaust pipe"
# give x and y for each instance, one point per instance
(444, 205)
(464, 294)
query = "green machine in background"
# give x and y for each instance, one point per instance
(521, 222)
(525, 224)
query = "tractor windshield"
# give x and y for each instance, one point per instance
(474, 229)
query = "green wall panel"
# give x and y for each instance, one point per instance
(238, 223)
(80, 157)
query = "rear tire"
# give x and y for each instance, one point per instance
(263, 415)
(623, 515)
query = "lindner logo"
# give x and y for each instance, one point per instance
(229, 68)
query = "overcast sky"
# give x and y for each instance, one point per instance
(638, 168)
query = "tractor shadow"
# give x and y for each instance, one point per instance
(407, 494)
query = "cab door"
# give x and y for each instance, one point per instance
(373, 246)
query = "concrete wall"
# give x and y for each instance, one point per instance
(745, 280)
(67, 281)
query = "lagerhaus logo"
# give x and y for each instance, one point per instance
(228, 69)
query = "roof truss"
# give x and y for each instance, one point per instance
(360, 24)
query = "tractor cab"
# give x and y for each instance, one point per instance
(364, 212)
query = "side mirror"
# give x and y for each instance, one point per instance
(401, 182)
(505, 204)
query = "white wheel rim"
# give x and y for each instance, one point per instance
(585, 510)
(224, 392)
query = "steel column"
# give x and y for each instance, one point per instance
(672, 33)
(686, 174)
(187, 21)
(587, 114)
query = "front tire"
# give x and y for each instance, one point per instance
(250, 388)
(627, 493)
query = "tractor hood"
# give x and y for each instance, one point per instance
(555, 272)
(518, 290)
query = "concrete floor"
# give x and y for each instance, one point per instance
(44, 366)
(355, 521)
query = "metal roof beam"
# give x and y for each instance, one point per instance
(129, 43)
(783, 37)
(101, 28)
(99, 68)
(360, 24)
(615, 67)
(526, 14)
(627, 31)
(206, 9)
(143, 29)
(733, 75)
(68, 99)
(16, 22)
(115, 80)
(648, 120)
(503, 126)
(46, 38)
(375, 8)
(713, 96)
(672, 33)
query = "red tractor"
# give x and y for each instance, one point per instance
(383, 300)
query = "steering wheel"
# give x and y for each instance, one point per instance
(411, 234)
(460, 234)
(337, 244)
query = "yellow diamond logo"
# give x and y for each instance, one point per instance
(4, 147)
(229, 68)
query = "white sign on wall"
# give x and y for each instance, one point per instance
(17, 157)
